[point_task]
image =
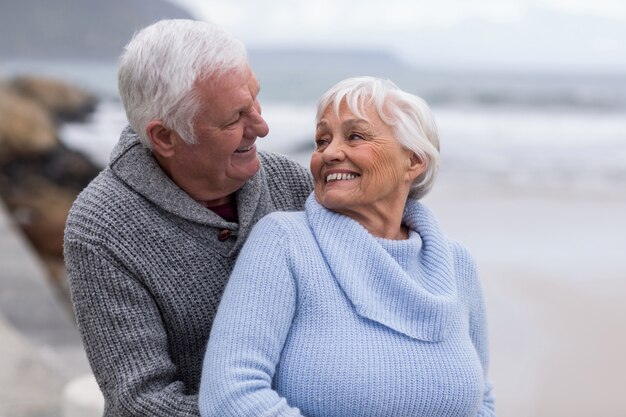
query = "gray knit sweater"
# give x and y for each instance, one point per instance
(147, 266)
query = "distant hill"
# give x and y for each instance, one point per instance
(88, 29)
(304, 74)
(327, 60)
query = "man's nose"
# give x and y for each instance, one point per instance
(258, 126)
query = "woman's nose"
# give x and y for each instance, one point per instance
(333, 152)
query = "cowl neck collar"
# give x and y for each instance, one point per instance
(419, 304)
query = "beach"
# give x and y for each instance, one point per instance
(554, 276)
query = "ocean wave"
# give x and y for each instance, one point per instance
(503, 145)
(301, 83)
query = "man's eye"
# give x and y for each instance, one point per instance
(234, 122)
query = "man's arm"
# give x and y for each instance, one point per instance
(124, 337)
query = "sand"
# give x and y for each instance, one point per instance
(553, 267)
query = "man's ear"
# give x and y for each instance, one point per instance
(161, 138)
(417, 166)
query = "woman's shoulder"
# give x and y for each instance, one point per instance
(282, 221)
(278, 237)
(287, 230)
(467, 273)
(460, 250)
(462, 256)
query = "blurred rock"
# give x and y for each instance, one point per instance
(39, 176)
(40, 208)
(64, 167)
(63, 101)
(26, 128)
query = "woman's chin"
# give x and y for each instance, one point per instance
(335, 201)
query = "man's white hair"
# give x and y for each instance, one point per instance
(160, 66)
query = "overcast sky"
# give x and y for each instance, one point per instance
(578, 35)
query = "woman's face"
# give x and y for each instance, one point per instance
(359, 168)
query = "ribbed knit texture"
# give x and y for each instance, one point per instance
(147, 269)
(320, 318)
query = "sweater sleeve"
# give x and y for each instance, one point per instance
(124, 337)
(477, 324)
(249, 331)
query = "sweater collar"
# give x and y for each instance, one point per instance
(419, 304)
(134, 164)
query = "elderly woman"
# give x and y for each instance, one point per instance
(360, 305)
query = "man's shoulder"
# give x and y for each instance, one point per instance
(279, 168)
(272, 160)
(288, 181)
(100, 190)
(105, 200)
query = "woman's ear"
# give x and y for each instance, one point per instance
(417, 165)
(161, 138)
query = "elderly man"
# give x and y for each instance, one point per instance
(150, 243)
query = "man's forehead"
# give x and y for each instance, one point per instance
(240, 78)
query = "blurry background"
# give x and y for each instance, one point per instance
(530, 100)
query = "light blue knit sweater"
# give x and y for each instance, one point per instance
(320, 318)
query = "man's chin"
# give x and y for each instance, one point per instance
(244, 171)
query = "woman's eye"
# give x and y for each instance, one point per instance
(356, 136)
(321, 143)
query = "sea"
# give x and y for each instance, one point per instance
(521, 129)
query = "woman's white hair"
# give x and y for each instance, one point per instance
(159, 67)
(409, 116)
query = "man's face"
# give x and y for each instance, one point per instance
(224, 156)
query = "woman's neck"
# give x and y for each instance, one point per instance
(384, 223)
